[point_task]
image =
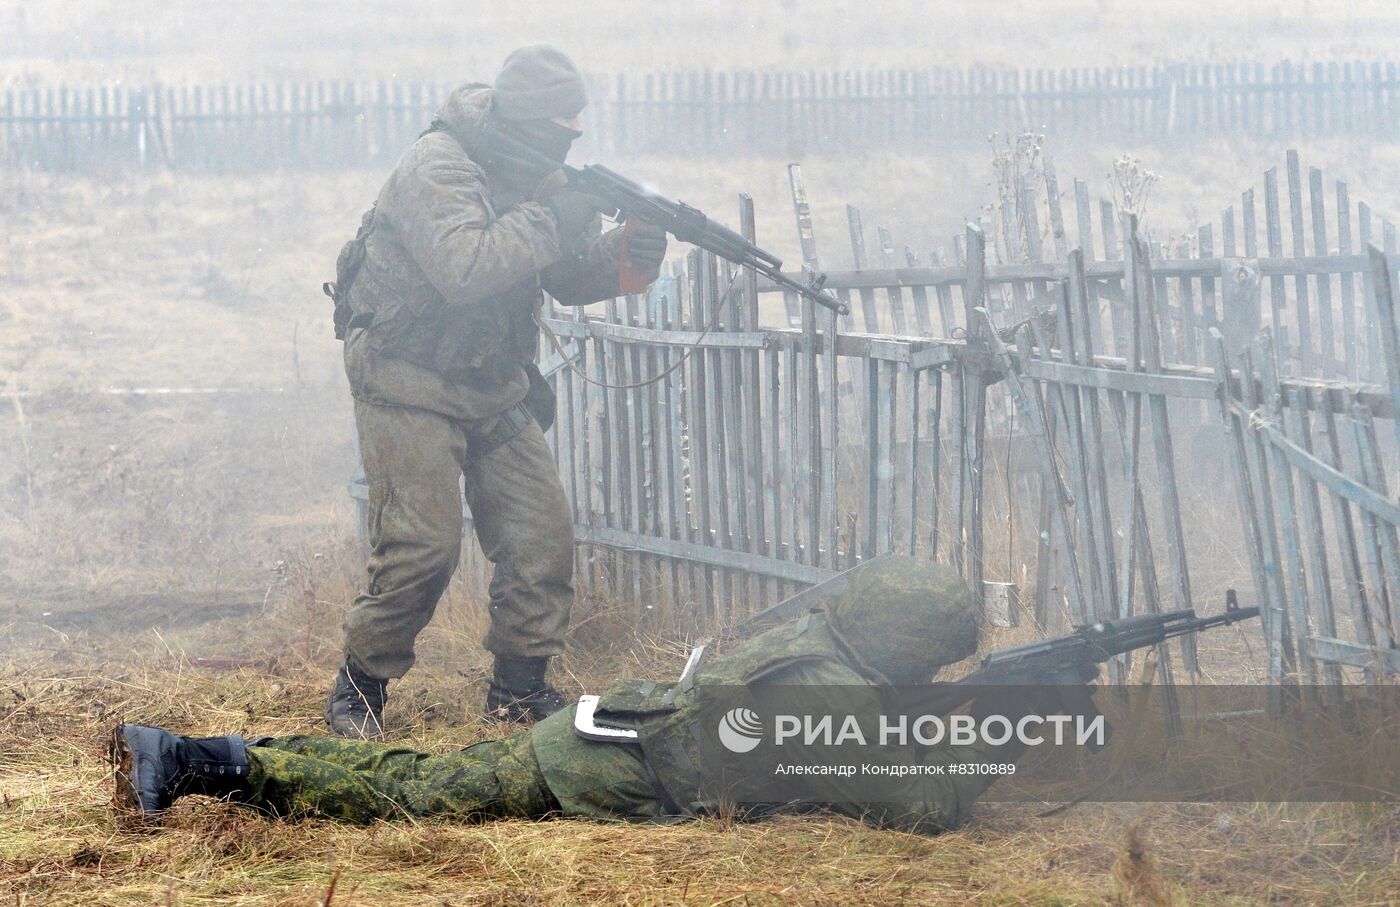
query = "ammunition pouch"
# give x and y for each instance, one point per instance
(347, 268)
(625, 706)
(539, 400)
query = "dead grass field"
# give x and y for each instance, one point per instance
(185, 560)
(263, 670)
(60, 845)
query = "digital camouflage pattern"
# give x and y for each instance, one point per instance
(897, 621)
(357, 781)
(451, 281)
(904, 620)
(549, 769)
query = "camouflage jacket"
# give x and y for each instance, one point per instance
(609, 780)
(451, 278)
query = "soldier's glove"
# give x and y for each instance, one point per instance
(646, 248)
(573, 211)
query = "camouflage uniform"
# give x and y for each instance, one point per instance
(440, 359)
(896, 623)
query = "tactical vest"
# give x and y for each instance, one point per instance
(666, 718)
(347, 268)
(488, 341)
(408, 319)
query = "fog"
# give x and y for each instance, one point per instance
(179, 536)
(187, 39)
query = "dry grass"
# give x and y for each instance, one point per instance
(60, 843)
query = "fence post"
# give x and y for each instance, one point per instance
(1382, 279)
(972, 416)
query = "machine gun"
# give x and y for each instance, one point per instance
(634, 203)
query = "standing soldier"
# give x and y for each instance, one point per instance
(436, 300)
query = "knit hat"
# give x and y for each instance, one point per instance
(905, 618)
(538, 82)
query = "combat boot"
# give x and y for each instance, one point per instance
(153, 768)
(519, 693)
(355, 708)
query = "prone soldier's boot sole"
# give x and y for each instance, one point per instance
(128, 775)
(124, 796)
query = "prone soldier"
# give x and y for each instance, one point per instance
(896, 623)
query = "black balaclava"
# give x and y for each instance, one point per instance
(545, 136)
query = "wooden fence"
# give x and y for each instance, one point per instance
(1312, 472)
(1294, 263)
(343, 123)
(758, 466)
(1001, 413)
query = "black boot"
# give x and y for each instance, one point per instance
(519, 693)
(356, 705)
(154, 767)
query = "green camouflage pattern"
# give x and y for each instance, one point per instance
(551, 770)
(594, 780)
(359, 781)
(894, 597)
(413, 460)
(904, 619)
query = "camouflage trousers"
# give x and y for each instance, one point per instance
(414, 460)
(359, 781)
(547, 770)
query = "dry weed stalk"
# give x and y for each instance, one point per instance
(1136, 872)
(1131, 184)
(1017, 164)
(27, 457)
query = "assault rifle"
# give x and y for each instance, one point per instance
(1063, 658)
(633, 202)
(1067, 663)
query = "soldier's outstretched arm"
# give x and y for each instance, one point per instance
(624, 260)
(940, 802)
(440, 211)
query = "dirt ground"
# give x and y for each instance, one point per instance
(184, 557)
